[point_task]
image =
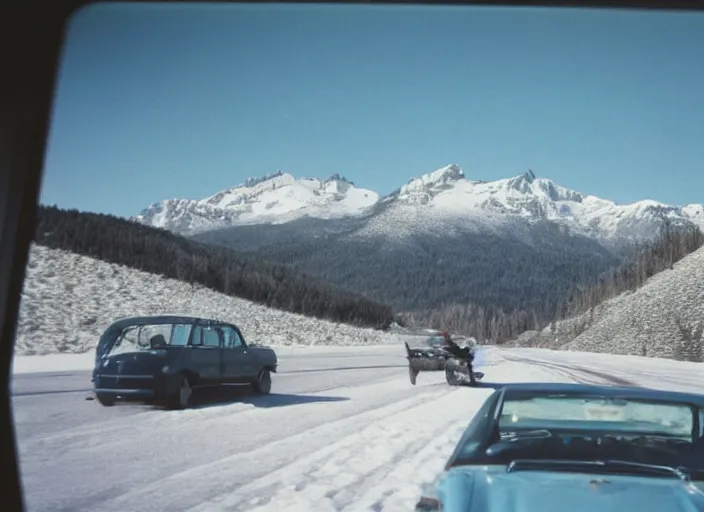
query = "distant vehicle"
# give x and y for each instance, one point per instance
(439, 352)
(163, 358)
(577, 447)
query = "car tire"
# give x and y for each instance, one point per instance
(182, 398)
(106, 400)
(451, 377)
(262, 385)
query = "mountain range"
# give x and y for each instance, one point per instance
(440, 199)
(520, 243)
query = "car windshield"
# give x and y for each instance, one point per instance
(598, 413)
(424, 341)
(140, 338)
(435, 341)
(560, 428)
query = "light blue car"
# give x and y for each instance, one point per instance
(549, 447)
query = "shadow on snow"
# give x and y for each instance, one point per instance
(204, 398)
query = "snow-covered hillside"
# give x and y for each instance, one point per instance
(440, 199)
(664, 318)
(69, 299)
(274, 199)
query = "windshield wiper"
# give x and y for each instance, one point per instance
(526, 434)
(601, 465)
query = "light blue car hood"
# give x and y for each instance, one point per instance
(492, 489)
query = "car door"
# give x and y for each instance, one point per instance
(239, 362)
(207, 354)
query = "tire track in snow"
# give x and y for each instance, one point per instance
(153, 417)
(340, 475)
(402, 486)
(232, 470)
(640, 371)
(386, 465)
(575, 373)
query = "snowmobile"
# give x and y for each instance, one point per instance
(442, 353)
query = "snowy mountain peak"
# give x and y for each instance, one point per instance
(529, 187)
(523, 182)
(251, 182)
(337, 177)
(449, 173)
(337, 184)
(274, 198)
(440, 176)
(422, 189)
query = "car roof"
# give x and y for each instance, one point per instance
(525, 389)
(163, 319)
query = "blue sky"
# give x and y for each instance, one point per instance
(159, 101)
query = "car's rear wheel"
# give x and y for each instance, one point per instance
(106, 400)
(262, 385)
(182, 398)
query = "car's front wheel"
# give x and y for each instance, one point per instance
(262, 385)
(106, 400)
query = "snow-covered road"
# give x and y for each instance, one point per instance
(344, 430)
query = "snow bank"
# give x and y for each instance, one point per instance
(69, 299)
(54, 363)
(664, 318)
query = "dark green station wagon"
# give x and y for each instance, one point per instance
(163, 358)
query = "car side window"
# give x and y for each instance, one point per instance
(206, 337)
(232, 338)
(197, 336)
(180, 334)
(211, 337)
